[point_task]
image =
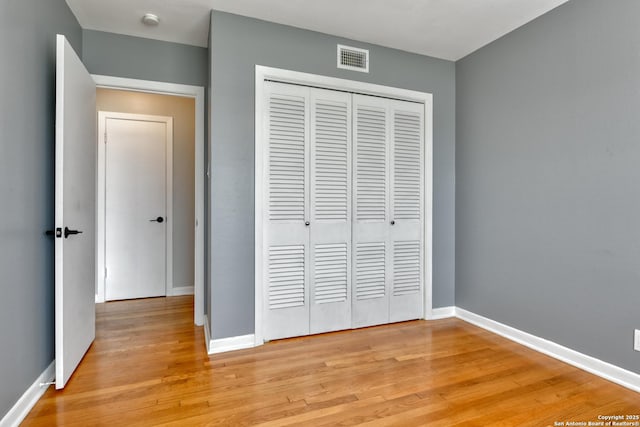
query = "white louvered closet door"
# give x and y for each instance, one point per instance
(286, 237)
(371, 181)
(330, 225)
(407, 210)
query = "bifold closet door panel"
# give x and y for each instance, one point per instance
(330, 224)
(286, 235)
(406, 229)
(371, 282)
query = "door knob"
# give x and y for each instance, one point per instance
(159, 219)
(307, 223)
(54, 233)
(68, 232)
(393, 222)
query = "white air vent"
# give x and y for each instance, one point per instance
(352, 58)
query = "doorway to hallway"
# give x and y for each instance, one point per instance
(148, 98)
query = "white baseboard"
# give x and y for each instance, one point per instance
(182, 290)
(173, 292)
(232, 343)
(606, 370)
(590, 364)
(207, 334)
(442, 313)
(226, 344)
(21, 409)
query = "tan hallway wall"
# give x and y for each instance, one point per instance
(183, 112)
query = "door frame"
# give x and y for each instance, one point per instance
(263, 74)
(187, 91)
(102, 188)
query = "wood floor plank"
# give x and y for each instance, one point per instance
(149, 366)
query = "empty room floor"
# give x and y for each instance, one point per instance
(148, 366)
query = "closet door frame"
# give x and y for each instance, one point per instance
(263, 74)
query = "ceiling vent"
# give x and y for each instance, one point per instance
(352, 58)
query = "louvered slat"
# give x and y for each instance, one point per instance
(407, 165)
(406, 267)
(331, 157)
(371, 163)
(286, 276)
(370, 270)
(286, 158)
(330, 273)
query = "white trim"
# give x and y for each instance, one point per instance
(427, 226)
(306, 79)
(147, 86)
(180, 290)
(207, 334)
(27, 401)
(101, 207)
(222, 345)
(605, 370)
(169, 204)
(442, 313)
(286, 76)
(196, 92)
(587, 363)
(258, 190)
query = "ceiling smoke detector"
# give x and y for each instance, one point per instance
(150, 20)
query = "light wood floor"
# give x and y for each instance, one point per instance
(149, 367)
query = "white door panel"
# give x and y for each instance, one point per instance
(75, 198)
(372, 256)
(407, 210)
(286, 273)
(136, 207)
(330, 228)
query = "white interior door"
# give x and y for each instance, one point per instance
(330, 228)
(286, 236)
(75, 198)
(136, 222)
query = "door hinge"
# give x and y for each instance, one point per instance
(105, 272)
(105, 137)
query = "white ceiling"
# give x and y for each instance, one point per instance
(448, 29)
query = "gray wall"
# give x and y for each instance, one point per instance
(238, 44)
(137, 58)
(548, 179)
(27, 116)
